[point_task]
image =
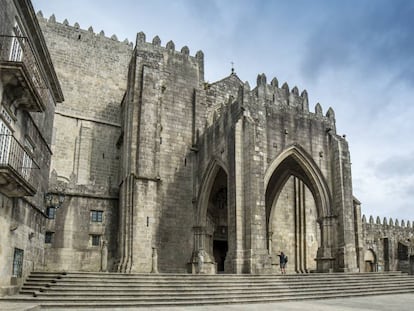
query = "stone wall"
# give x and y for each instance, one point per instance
(91, 67)
(93, 71)
(22, 227)
(22, 218)
(173, 127)
(156, 177)
(248, 133)
(382, 239)
(71, 247)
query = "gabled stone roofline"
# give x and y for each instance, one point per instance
(231, 76)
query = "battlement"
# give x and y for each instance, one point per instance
(170, 46)
(75, 32)
(80, 33)
(285, 98)
(276, 100)
(387, 223)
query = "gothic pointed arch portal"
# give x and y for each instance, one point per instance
(298, 213)
(211, 231)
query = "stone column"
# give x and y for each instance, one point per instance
(202, 261)
(325, 258)
(154, 260)
(346, 258)
(104, 257)
(358, 236)
(235, 261)
(300, 226)
(270, 239)
(198, 238)
(125, 244)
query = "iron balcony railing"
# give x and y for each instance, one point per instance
(17, 163)
(16, 51)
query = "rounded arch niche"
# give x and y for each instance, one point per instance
(297, 198)
(370, 259)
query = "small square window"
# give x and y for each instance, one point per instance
(96, 216)
(96, 239)
(51, 212)
(48, 237)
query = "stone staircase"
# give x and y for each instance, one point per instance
(107, 290)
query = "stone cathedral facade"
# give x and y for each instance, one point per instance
(153, 169)
(160, 167)
(177, 168)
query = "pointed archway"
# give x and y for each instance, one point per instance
(211, 230)
(217, 220)
(298, 215)
(293, 226)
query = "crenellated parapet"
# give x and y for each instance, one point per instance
(170, 46)
(78, 33)
(391, 240)
(153, 53)
(285, 99)
(386, 224)
(274, 98)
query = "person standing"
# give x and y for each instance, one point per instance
(283, 261)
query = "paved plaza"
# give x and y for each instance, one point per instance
(400, 302)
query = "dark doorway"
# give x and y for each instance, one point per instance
(369, 266)
(386, 255)
(220, 250)
(402, 251)
(217, 224)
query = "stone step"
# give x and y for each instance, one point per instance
(204, 289)
(139, 285)
(92, 293)
(206, 277)
(57, 302)
(196, 281)
(120, 285)
(208, 294)
(200, 296)
(69, 278)
(176, 280)
(212, 275)
(79, 289)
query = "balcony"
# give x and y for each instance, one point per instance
(19, 74)
(18, 171)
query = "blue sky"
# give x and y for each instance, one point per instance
(356, 56)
